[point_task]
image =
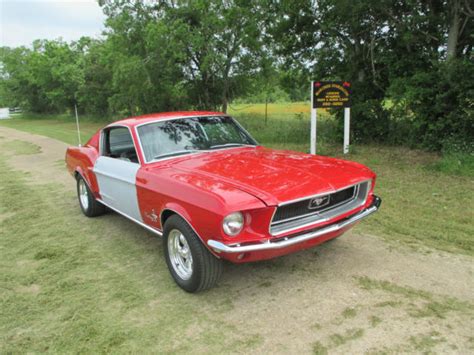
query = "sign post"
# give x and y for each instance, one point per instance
(347, 126)
(314, 118)
(330, 94)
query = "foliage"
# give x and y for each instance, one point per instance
(441, 100)
(380, 44)
(205, 54)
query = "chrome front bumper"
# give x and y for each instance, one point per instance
(288, 241)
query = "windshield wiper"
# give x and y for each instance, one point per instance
(217, 146)
(172, 154)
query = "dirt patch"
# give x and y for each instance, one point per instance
(42, 163)
(6, 215)
(322, 303)
(33, 289)
(356, 294)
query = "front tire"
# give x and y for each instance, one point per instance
(89, 205)
(191, 265)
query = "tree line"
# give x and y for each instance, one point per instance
(410, 62)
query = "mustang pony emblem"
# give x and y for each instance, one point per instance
(318, 202)
(153, 216)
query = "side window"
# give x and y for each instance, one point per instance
(118, 143)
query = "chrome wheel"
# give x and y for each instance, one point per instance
(180, 254)
(83, 195)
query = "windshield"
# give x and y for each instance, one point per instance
(187, 135)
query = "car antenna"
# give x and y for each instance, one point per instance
(77, 125)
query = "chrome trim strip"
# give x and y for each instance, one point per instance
(312, 223)
(286, 242)
(349, 200)
(151, 229)
(321, 194)
(330, 213)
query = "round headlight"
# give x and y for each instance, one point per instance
(233, 224)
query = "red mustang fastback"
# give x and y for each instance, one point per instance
(204, 184)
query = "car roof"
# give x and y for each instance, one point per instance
(134, 121)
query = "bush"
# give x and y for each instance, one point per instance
(438, 105)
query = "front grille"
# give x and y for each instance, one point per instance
(313, 210)
(301, 208)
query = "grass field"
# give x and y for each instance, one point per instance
(280, 117)
(74, 285)
(68, 292)
(275, 110)
(62, 128)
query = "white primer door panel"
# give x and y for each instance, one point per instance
(117, 178)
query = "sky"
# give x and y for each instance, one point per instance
(22, 21)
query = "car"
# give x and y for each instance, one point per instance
(200, 180)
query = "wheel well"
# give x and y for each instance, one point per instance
(165, 215)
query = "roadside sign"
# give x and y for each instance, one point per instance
(330, 94)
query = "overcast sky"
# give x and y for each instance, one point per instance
(22, 21)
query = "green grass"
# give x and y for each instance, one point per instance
(351, 334)
(421, 304)
(425, 342)
(274, 110)
(458, 163)
(73, 287)
(420, 207)
(319, 349)
(70, 286)
(62, 127)
(374, 321)
(349, 312)
(18, 147)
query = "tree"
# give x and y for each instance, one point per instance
(460, 37)
(409, 61)
(379, 46)
(213, 42)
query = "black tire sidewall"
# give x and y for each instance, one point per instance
(192, 284)
(87, 211)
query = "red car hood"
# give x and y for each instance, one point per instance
(275, 176)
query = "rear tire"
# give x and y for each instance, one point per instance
(191, 265)
(89, 205)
